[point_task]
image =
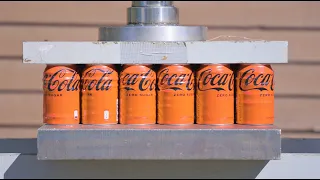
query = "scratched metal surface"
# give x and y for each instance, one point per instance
(199, 52)
(157, 53)
(158, 142)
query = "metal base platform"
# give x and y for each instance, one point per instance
(158, 142)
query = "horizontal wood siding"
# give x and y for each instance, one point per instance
(271, 14)
(297, 88)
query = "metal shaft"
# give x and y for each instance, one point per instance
(153, 21)
(153, 13)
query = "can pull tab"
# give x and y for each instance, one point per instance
(153, 13)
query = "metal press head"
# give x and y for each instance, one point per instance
(153, 21)
(153, 13)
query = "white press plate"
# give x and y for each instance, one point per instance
(198, 52)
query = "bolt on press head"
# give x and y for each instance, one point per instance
(153, 21)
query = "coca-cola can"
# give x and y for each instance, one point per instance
(215, 94)
(255, 94)
(137, 95)
(175, 94)
(61, 94)
(99, 95)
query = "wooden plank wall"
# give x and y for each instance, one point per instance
(297, 87)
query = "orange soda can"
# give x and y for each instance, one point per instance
(137, 95)
(61, 94)
(175, 94)
(255, 95)
(99, 95)
(215, 95)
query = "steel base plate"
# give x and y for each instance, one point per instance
(159, 142)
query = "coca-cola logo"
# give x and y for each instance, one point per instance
(102, 84)
(146, 81)
(176, 82)
(58, 81)
(255, 81)
(208, 81)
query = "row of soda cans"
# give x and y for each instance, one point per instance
(213, 94)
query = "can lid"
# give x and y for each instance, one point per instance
(177, 65)
(258, 64)
(108, 65)
(215, 65)
(254, 65)
(62, 65)
(129, 65)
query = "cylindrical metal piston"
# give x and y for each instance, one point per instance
(153, 21)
